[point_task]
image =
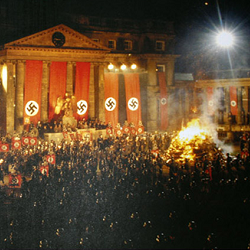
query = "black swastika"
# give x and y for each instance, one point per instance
(82, 107)
(110, 104)
(133, 104)
(32, 108)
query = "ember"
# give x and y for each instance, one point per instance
(190, 142)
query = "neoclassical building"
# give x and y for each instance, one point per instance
(114, 74)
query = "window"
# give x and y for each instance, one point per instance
(160, 45)
(160, 68)
(111, 44)
(128, 45)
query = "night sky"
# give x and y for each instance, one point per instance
(196, 22)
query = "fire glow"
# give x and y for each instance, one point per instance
(191, 140)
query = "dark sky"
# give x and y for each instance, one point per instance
(195, 21)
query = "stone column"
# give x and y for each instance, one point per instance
(70, 78)
(45, 92)
(91, 103)
(20, 75)
(10, 97)
(101, 99)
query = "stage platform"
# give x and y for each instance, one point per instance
(85, 134)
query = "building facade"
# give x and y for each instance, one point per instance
(36, 69)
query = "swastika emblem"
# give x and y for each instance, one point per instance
(4, 147)
(31, 108)
(32, 141)
(133, 104)
(233, 103)
(82, 107)
(210, 103)
(163, 101)
(50, 159)
(110, 104)
(16, 144)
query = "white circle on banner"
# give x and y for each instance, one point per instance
(16, 144)
(32, 141)
(110, 104)
(4, 147)
(210, 103)
(133, 104)
(31, 108)
(233, 103)
(26, 140)
(50, 159)
(163, 101)
(82, 107)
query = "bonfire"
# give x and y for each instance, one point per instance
(191, 142)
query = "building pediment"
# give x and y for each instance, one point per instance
(59, 37)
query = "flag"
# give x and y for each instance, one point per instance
(4, 147)
(15, 181)
(16, 144)
(163, 100)
(82, 77)
(25, 140)
(44, 170)
(33, 90)
(111, 89)
(51, 159)
(210, 101)
(133, 99)
(32, 141)
(233, 100)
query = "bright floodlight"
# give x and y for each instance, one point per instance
(225, 39)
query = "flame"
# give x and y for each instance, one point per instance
(190, 140)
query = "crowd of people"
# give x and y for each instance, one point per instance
(121, 193)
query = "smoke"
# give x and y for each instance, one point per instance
(207, 121)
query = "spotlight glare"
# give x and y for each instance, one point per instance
(123, 67)
(225, 39)
(110, 66)
(133, 66)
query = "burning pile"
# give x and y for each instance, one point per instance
(190, 142)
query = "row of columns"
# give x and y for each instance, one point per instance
(15, 92)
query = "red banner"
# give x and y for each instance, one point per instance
(32, 90)
(44, 170)
(111, 89)
(163, 100)
(133, 99)
(233, 100)
(4, 147)
(82, 89)
(25, 140)
(15, 181)
(57, 87)
(210, 101)
(51, 159)
(32, 141)
(16, 144)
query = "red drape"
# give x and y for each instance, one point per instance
(82, 89)
(32, 90)
(57, 87)
(111, 88)
(133, 99)
(210, 101)
(163, 102)
(233, 100)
